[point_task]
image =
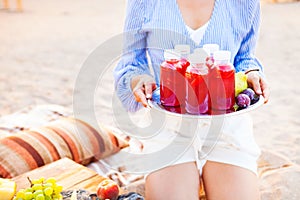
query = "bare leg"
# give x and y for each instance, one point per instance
(228, 182)
(176, 182)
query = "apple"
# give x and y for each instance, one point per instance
(7, 189)
(108, 189)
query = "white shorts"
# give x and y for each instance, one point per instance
(231, 143)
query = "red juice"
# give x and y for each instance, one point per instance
(221, 83)
(172, 82)
(197, 97)
(197, 101)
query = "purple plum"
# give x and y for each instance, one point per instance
(243, 101)
(249, 92)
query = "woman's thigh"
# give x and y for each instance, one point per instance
(175, 182)
(224, 181)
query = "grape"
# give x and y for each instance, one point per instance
(29, 190)
(47, 185)
(58, 189)
(38, 181)
(48, 191)
(40, 197)
(28, 196)
(21, 194)
(243, 101)
(255, 99)
(51, 180)
(38, 186)
(48, 198)
(249, 92)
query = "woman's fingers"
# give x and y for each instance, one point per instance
(140, 97)
(149, 87)
(266, 90)
(259, 85)
(142, 87)
(254, 82)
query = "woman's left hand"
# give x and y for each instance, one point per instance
(259, 84)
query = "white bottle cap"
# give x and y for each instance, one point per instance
(198, 57)
(183, 49)
(171, 54)
(222, 55)
(211, 48)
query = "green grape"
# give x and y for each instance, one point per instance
(35, 181)
(48, 198)
(58, 189)
(28, 195)
(29, 190)
(40, 197)
(51, 180)
(48, 191)
(57, 196)
(37, 187)
(42, 179)
(48, 185)
(21, 194)
(60, 196)
(37, 192)
(38, 181)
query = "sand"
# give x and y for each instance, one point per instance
(43, 49)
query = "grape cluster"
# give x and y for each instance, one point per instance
(41, 189)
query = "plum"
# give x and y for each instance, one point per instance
(249, 92)
(243, 101)
(255, 99)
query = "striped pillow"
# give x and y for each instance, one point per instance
(66, 137)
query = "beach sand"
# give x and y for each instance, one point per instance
(44, 48)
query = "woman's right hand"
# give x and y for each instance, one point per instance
(142, 87)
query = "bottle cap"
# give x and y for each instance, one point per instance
(183, 49)
(222, 55)
(171, 54)
(211, 48)
(198, 57)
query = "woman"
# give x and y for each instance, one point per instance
(229, 171)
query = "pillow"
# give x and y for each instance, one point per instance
(66, 137)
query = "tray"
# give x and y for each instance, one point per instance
(155, 104)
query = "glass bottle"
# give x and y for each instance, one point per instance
(197, 97)
(172, 83)
(221, 83)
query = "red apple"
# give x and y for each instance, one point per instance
(108, 189)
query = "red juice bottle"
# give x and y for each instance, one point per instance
(221, 83)
(172, 82)
(184, 51)
(197, 98)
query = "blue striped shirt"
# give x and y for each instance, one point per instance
(154, 25)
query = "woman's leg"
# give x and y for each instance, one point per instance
(229, 182)
(177, 182)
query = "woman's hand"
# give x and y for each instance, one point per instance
(142, 87)
(259, 84)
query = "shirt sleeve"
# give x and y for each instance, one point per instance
(245, 58)
(133, 60)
